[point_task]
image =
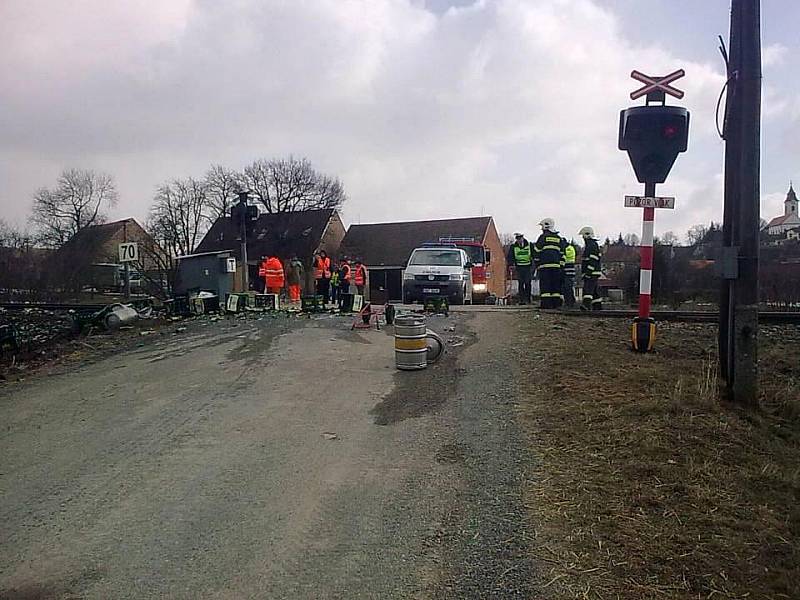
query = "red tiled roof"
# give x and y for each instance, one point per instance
(778, 221)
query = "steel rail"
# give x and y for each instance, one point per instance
(54, 306)
(688, 316)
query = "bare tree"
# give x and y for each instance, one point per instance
(288, 185)
(21, 264)
(78, 201)
(696, 234)
(13, 237)
(507, 239)
(156, 264)
(631, 239)
(222, 186)
(669, 238)
(178, 215)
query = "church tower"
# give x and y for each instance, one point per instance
(790, 204)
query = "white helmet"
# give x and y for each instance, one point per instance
(586, 232)
(547, 223)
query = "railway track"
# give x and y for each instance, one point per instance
(54, 306)
(772, 317)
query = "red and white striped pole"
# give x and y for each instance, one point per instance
(643, 332)
(646, 262)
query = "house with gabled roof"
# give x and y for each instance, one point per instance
(87, 255)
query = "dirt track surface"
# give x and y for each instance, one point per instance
(201, 466)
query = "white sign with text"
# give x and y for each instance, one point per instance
(128, 252)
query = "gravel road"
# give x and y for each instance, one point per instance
(268, 459)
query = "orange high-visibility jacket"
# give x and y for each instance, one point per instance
(273, 272)
(322, 267)
(360, 277)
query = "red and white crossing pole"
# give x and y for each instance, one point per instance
(646, 256)
(646, 272)
(644, 327)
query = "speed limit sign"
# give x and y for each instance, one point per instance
(128, 252)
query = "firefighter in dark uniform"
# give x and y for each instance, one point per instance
(590, 271)
(520, 256)
(549, 258)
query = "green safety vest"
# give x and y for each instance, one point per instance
(569, 254)
(522, 255)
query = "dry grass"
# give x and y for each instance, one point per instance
(647, 486)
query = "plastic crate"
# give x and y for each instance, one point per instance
(312, 303)
(267, 301)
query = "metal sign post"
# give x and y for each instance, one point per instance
(128, 253)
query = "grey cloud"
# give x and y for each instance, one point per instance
(504, 107)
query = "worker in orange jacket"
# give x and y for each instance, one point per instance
(322, 275)
(360, 276)
(273, 275)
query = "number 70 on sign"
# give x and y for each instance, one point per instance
(128, 252)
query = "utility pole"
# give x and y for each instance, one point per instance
(738, 340)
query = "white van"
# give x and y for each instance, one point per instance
(438, 271)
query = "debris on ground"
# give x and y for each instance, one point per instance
(328, 435)
(33, 337)
(455, 341)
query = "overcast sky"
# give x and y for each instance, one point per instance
(423, 108)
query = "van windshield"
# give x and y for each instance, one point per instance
(436, 258)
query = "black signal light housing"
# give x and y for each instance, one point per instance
(653, 136)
